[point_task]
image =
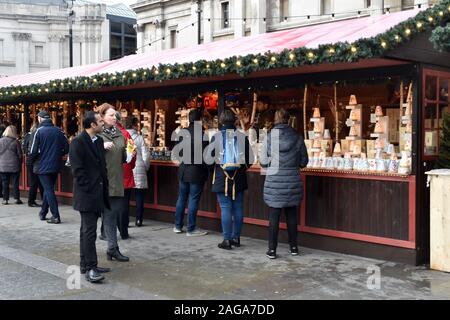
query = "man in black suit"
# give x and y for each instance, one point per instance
(90, 190)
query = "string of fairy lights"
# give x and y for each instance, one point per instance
(364, 48)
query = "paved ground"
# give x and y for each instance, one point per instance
(35, 256)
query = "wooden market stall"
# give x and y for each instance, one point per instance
(370, 111)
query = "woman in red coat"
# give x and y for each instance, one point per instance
(124, 218)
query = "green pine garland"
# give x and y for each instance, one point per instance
(365, 48)
(444, 143)
(440, 38)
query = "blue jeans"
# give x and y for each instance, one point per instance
(193, 192)
(48, 183)
(232, 214)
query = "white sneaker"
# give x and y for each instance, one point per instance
(176, 230)
(197, 233)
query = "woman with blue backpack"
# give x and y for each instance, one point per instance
(232, 153)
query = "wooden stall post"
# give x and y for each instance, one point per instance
(305, 93)
(255, 102)
(154, 123)
(65, 118)
(336, 112)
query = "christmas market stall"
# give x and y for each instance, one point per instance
(368, 94)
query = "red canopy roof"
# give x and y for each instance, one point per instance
(309, 36)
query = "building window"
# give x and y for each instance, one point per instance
(406, 4)
(225, 15)
(39, 54)
(123, 39)
(284, 9)
(173, 39)
(326, 7)
(435, 103)
(1, 50)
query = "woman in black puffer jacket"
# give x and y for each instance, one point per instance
(283, 153)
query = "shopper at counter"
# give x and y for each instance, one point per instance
(229, 185)
(191, 176)
(283, 153)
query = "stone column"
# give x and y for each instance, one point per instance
(208, 13)
(259, 11)
(55, 52)
(377, 7)
(22, 41)
(239, 14)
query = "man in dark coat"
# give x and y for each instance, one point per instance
(192, 174)
(90, 190)
(47, 149)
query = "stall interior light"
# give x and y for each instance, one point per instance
(310, 54)
(238, 63)
(156, 71)
(331, 51)
(255, 61)
(354, 49)
(194, 68)
(292, 56)
(441, 13)
(273, 59)
(408, 31)
(383, 44)
(223, 65)
(430, 19)
(419, 24)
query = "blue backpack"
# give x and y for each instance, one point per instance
(229, 161)
(230, 157)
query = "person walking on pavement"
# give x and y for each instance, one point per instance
(283, 153)
(230, 177)
(90, 190)
(115, 156)
(191, 175)
(47, 150)
(123, 219)
(35, 184)
(10, 163)
(141, 168)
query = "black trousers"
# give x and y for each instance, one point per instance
(123, 218)
(35, 184)
(6, 179)
(274, 226)
(88, 235)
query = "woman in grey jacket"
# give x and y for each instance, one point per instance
(10, 163)
(283, 153)
(141, 168)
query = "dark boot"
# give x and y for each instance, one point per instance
(225, 244)
(115, 254)
(235, 242)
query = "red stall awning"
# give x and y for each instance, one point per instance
(309, 36)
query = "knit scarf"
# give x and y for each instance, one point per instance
(110, 131)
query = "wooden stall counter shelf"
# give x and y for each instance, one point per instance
(356, 174)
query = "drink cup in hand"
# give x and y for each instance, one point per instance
(109, 145)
